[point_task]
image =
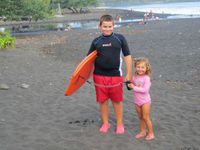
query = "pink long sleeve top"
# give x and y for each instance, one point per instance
(141, 89)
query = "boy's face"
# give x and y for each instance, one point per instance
(106, 28)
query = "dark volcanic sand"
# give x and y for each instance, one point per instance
(40, 117)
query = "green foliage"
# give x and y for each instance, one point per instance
(11, 9)
(81, 3)
(75, 5)
(6, 40)
(38, 9)
(15, 9)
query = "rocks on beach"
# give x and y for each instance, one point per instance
(4, 86)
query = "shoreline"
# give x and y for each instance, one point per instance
(82, 21)
(94, 15)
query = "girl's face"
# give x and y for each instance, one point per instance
(141, 68)
(106, 28)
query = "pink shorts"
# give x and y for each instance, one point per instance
(142, 103)
(108, 88)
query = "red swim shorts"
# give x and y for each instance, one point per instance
(108, 87)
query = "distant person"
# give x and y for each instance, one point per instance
(68, 28)
(107, 76)
(145, 19)
(141, 84)
(151, 15)
(119, 18)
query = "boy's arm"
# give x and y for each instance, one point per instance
(128, 62)
(91, 49)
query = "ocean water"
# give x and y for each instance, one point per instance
(177, 10)
(184, 8)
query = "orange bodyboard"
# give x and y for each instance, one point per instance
(81, 74)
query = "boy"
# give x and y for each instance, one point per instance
(107, 77)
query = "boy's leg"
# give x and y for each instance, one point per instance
(118, 108)
(116, 95)
(104, 111)
(104, 114)
(146, 116)
(142, 132)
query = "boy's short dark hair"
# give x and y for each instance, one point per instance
(106, 18)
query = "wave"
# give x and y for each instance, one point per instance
(183, 8)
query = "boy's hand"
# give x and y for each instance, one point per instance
(129, 85)
(128, 78)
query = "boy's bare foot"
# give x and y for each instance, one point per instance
(150, 137)
(104, 128)
(120, 129)
(140, 135)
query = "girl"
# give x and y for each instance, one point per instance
(141, 85)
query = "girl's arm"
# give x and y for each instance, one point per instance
(145, 88)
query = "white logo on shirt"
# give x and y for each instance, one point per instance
(107, 45)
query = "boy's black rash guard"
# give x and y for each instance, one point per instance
(109, 54)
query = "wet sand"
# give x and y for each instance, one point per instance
(40, 117)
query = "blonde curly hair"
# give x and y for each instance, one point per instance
(143, 60)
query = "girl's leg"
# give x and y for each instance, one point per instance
(142, 132)
(104, 114)
(146, 116)
(118, 108)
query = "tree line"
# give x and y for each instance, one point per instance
(40, 9)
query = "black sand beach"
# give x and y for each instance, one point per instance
(35, 114)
